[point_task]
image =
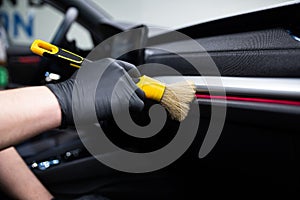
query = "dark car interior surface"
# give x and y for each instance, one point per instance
(258, 151)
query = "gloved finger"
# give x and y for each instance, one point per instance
(140, 93)
(136, 104)
(130, 69)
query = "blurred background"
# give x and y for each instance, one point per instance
(24, 22)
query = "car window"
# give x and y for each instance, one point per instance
(25, 23)
(81, 35)
(181, 13)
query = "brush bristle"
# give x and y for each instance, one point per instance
(177, 98)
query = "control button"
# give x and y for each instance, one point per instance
(45, 164)
(72, 154)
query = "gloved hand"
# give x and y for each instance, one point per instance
(104, 100)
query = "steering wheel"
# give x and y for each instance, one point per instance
(69, 18)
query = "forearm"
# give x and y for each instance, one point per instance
(17, 180)
(26, 112)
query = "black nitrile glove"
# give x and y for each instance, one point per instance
(104, 100)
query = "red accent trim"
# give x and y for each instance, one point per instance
(249, 99)
(29, 59)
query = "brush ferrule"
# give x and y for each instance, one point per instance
(153, 89)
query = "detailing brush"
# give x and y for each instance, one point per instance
(176, 97)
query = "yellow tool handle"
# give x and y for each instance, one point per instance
(48, 50)
(153, 89)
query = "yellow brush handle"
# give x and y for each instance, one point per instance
(40, 47)
(46, 49)
(153, 89)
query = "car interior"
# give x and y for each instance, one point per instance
(258, 150)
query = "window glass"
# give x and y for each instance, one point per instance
(180, 13)
(25, 23)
